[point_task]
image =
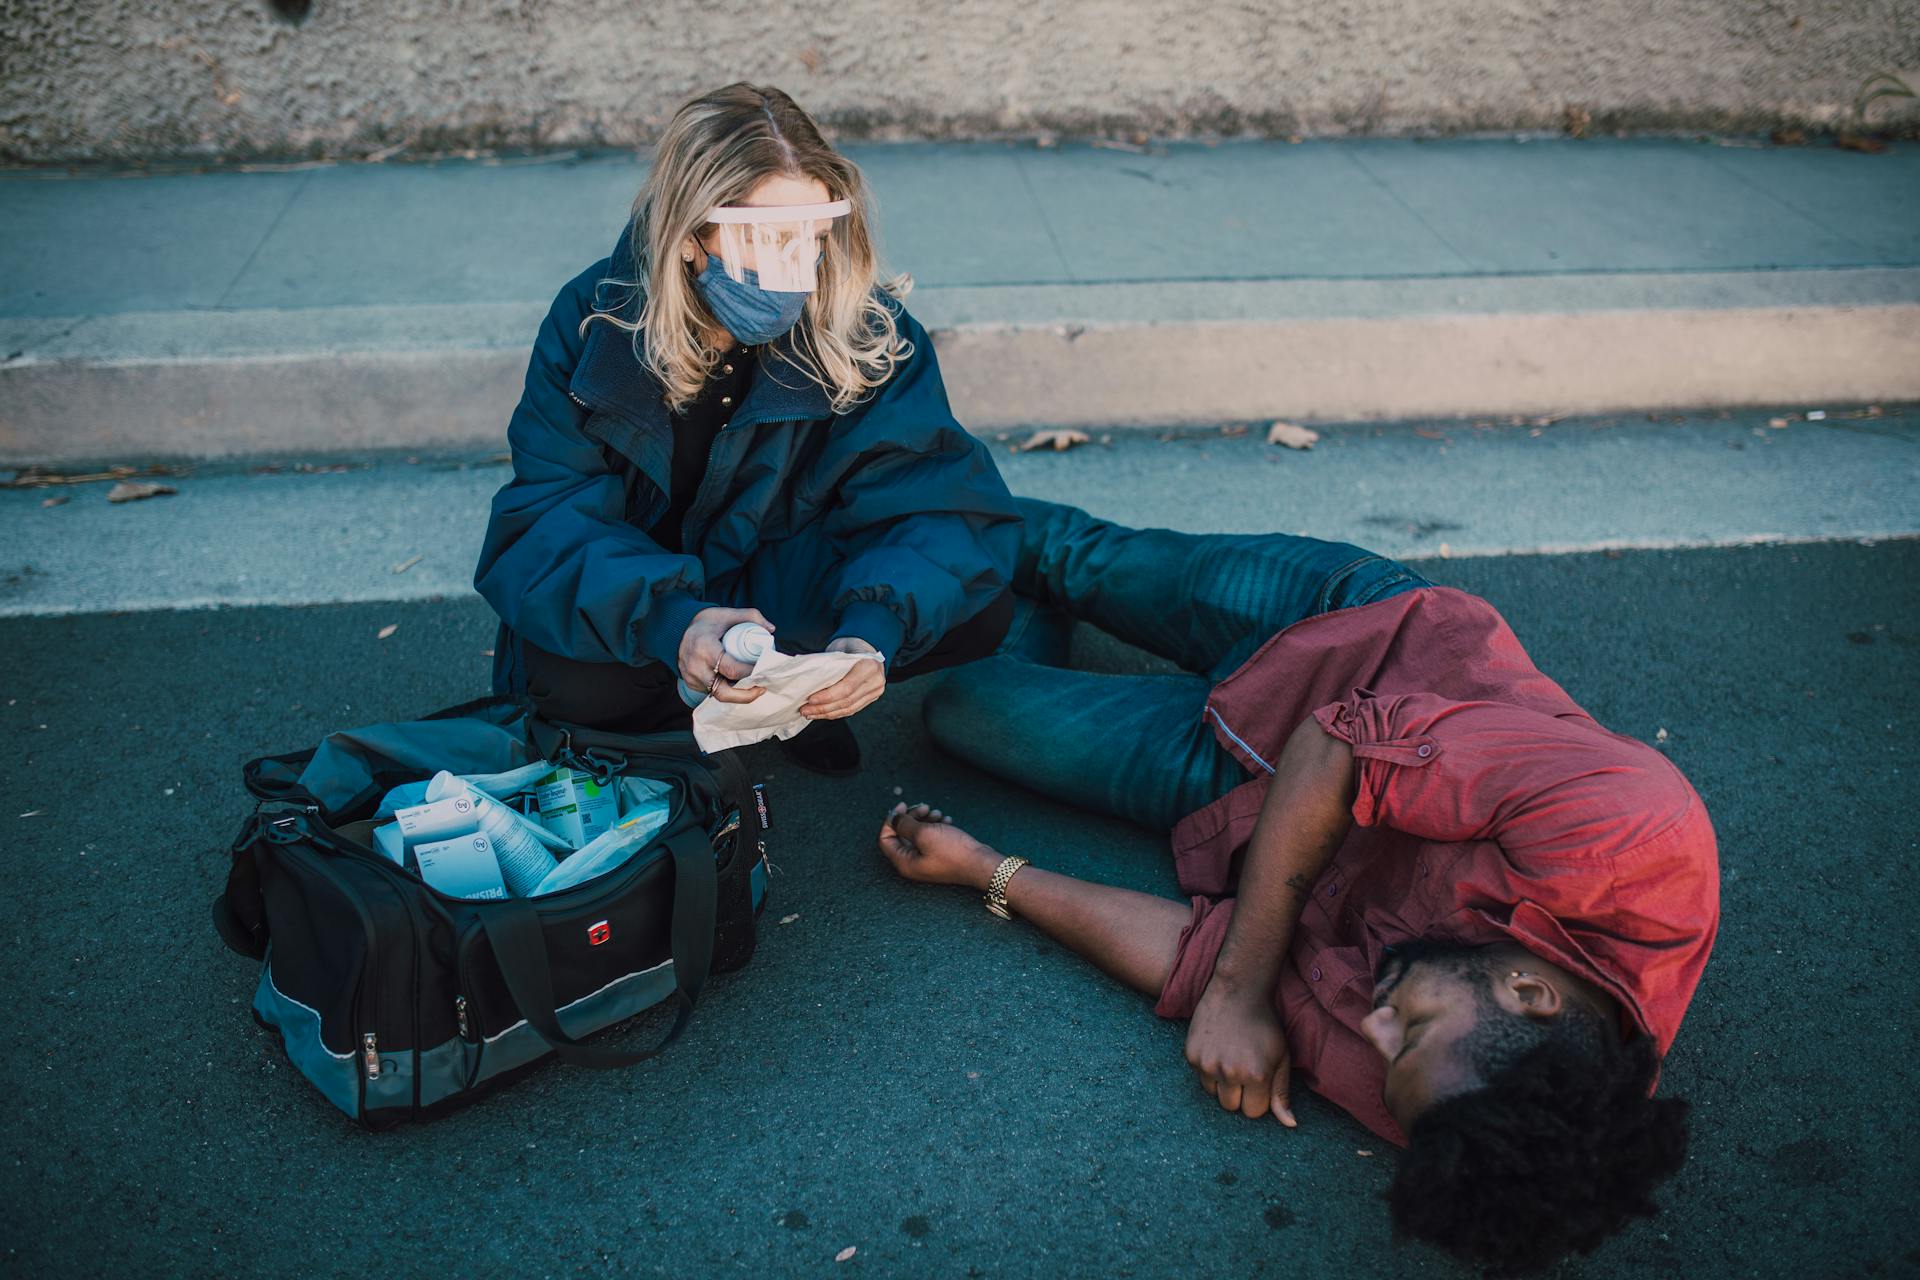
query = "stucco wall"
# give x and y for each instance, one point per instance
(128, 79)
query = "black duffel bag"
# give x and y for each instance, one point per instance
(397, 1001)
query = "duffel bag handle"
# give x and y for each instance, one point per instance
(520, 949)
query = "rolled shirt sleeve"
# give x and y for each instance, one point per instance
(1541, 786)
(1193, 958)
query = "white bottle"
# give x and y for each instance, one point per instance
(744, 642)
(517, 842)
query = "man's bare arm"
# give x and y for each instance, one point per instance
(1306, 814)
(1234, 1040)
(1130, 936)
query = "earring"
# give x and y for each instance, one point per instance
(686, 257)
(1518, 974)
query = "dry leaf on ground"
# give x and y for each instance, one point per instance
(790, 919)
(39, 478)
(1860, 143)
(408, 563)
(134, 490)
(60, 501)
(1776, 423)
(1056, 440)
(846, 1253)
(388, 630)
(1292, 435)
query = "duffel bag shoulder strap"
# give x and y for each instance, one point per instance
(520, 949)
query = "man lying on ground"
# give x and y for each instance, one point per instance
(1425, 881)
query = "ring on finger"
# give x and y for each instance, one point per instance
(715, 682)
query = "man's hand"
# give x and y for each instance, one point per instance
(705, 666)
(856, 690)
(1237, 1047)
(923, 844)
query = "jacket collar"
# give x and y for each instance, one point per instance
(612, 377)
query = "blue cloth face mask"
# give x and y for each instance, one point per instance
(750, 313)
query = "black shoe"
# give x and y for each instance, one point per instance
(825, 746)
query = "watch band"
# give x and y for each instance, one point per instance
(996, 895)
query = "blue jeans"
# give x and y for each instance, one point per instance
(1137, 746)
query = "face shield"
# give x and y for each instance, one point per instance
(778, 243)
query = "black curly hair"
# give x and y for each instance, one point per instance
(1559, 1149)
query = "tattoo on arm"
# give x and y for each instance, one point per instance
(1300, 882)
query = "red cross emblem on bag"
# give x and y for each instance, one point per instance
(598, 933)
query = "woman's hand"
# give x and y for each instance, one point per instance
(705, 666)
(923, 845)
(856, 690)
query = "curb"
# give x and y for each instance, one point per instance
(219, 384)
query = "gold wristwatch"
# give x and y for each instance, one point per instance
(996, 896)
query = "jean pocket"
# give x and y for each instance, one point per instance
(1367, 580)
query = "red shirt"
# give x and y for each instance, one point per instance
(1490, 808)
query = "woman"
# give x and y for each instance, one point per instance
(693, 450)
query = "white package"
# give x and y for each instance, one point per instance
(789, 681)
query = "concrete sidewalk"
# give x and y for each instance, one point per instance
(326, 308)
(408, 527)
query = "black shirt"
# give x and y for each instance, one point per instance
(693, 431)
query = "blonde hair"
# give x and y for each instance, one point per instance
(715, 151)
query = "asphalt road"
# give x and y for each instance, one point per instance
(897, 1072)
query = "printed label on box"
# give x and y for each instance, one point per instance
(464, 867)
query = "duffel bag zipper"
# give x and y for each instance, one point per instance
(369, 1045)
(467, 1012)
(363, 1014)
(366, 1013)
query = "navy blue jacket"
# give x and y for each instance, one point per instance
(888, 522)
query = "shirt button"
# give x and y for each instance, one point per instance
(729, 400)
(726, 368)
(1316, 973)
(1426, 749)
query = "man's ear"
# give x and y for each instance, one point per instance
(1529, 994)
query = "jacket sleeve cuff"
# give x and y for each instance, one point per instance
(666, 621)
(873, 622)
